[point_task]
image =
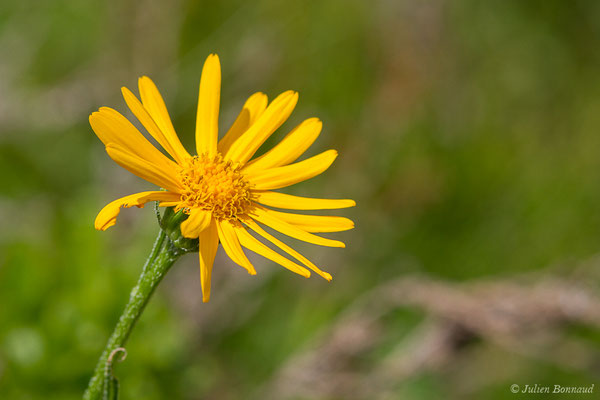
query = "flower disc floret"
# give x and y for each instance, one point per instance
(213, 184)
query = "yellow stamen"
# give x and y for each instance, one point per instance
(213, 184)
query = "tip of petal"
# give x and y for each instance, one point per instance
(104, 226)
(313, 120)
(145, 81)
(212, 58)
(288, 95)
(293, 96)
(313, 123)
(125, 91)
(102, 223)
(93, 116)
(305, 273)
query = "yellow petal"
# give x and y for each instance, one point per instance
(253, 108)
(111, 127)
(169, 204)
(282, 200)
(207, 118)
(195, 223)
(315, 223)
(276, 114)
(290, 148)
(107, 217)
(231, 245)
(208, 241)
(170, 143)
(143, 168)
(278, 177)
(252, 244)
(155, 105)
(266, 217)
(256, 228)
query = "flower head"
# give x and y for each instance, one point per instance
(224, 192)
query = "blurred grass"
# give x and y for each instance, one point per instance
(468, 133)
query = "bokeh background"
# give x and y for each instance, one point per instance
(468, 133)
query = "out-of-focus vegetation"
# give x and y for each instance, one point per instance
(468, 132)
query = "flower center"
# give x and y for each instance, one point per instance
(215, 185)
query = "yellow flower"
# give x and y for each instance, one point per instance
(223, 191)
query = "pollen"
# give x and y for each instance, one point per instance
(213, 184)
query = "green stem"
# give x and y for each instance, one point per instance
(161, 258)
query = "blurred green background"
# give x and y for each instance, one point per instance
(468, 133)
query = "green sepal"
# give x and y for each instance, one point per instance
(171, 224)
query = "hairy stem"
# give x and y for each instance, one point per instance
(161, 258)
